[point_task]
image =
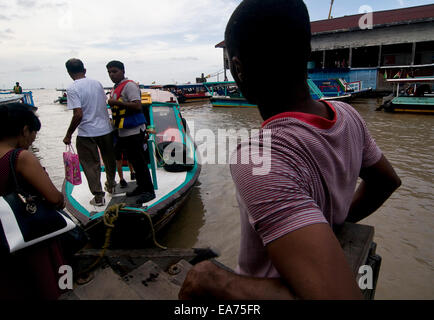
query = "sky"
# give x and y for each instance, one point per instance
(164, 41)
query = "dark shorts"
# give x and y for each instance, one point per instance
(120, 149)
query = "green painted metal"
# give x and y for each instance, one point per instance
(419, 101)
(315, 89)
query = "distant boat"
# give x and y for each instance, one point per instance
(63, 99)
(187, 93)
(339, 89)
(226, 95)
(411, 95)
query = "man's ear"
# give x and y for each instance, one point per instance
(25, 130)
(237, 68)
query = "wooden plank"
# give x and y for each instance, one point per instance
(178, 272)
(355, 240)
(124, 261)
(150, 282)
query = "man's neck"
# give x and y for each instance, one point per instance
(298, 100)
(117, 83)
(78, 76)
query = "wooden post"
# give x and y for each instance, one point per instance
(323, 59)
(380, 52)
(413, 54)
(350, 60)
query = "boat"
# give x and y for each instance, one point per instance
(410, 95)
(226, 95)
(174, 169)
(63, 99)
(188, 93)
(25, 97)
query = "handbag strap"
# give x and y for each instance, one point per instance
(70, 148)
(12, 160)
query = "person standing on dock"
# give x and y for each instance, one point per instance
(86, 97)
(126, 104)
(318, 151)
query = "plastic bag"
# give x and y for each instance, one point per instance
(72, 166)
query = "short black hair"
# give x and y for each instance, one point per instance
(13, 118)
(116, 64)
(273, 34)
(74, 66)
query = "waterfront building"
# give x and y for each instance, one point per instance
(372, 47)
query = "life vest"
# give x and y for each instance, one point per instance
(17, 90)
(124, 118)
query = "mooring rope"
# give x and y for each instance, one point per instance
(111, 214)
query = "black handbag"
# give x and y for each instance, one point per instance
(26, 220)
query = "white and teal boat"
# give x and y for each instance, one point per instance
(174, 168)
(226, 95)
(25, 97)
(411, 95)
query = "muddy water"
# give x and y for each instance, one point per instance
(404, 225)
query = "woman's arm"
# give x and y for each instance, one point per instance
(29, 167)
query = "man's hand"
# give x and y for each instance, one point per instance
(67, 140)
(112, 102)
(207, 281)
(194, 286)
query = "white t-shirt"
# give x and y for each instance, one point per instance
(89, 95)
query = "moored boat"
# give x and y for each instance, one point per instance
(188, 93)
(411, 95)
(226, 95)
(174, 169)
(25, 97)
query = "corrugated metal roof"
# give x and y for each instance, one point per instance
(346, 23)
(396, 16)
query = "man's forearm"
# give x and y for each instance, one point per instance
(75, 122)
(134, 105)
(207, 281)
(367, 199)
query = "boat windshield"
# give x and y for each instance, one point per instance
(166, 125)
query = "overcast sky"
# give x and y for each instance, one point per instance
(166, 41)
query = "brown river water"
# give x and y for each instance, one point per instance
(404, 226)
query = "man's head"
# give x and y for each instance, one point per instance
(116, 71)
(17, 84)
(268, 44)
(75, 68)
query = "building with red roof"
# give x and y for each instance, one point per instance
(373, 46)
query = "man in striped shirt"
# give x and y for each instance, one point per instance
(317, 152)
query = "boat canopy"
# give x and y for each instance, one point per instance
(412, 80)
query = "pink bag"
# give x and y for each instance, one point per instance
(72, 166)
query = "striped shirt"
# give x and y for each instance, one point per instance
(313, 172)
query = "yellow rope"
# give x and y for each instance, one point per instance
(110, 216)
(150, 223)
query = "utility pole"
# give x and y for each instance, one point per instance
(331, 7)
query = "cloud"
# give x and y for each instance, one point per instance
(31, 69)
(190, 37)
(184, 58)
(401, 3)
(26, 3)
(3, 17)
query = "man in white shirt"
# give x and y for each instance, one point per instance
(86, 97)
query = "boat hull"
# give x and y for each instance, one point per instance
(419, 105)
(227, 102)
